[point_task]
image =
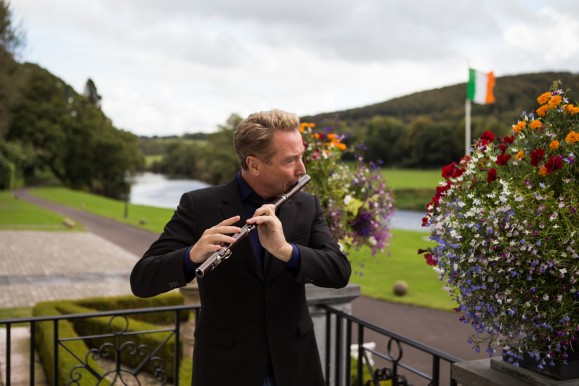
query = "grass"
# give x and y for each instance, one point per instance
(377, 275)
(412, 178)
(18, 214)
(146, 217)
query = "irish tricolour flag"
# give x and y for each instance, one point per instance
(480, 88)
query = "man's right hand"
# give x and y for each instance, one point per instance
(213, 239)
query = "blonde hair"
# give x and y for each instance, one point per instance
(253, 135)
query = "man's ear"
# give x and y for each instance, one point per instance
(253, 165)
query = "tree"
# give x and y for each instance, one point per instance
(91, 93)
(11, 36)
(384, 139)
(72, 137)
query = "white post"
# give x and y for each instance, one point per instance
(467, 127)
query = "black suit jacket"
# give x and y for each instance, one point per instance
(248, 317)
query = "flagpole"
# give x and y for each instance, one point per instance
(467, 127)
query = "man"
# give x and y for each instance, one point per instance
(254, 327)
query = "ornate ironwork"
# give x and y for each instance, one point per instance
(115, 352)
(150, 363)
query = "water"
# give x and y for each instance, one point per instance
(157, 190)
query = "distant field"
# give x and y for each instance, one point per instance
(412, 178)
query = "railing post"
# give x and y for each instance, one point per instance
(339, 299)
(435, 370)
(55, 348)
(360, 355)
(177, 360)
(8, 349)
(32, 351)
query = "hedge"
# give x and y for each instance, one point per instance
(102, 325)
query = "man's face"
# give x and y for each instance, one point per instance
(285, 167)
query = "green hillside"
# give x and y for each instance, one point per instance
(513, 94)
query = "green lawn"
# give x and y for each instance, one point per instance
(412, 178)
(150, 218)
(378, 274)
(18, 214)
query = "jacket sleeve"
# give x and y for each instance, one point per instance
(161, 268)
(322, 262)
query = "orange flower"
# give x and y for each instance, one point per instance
(555, 101)
(519, 126)
(536, 124)
(520, 155)
(572, 137)
(554, 145)
(543, 171)
(341, 146)
(542, 110)
(544, 97)
(571, 109)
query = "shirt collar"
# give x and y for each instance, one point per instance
(244, 189)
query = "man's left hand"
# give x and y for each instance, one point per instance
(270, 232)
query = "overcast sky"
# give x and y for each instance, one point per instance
(168, 67)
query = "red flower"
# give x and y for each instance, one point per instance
(537, 156)
(502, 159)
(491, 175)
(430, 260)
(424, 221)
(553, 164)
(451, 171)
(486, 138)
(509, 139)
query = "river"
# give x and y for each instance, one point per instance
(157, 190)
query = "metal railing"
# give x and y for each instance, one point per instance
(112, 349)
(339, 329)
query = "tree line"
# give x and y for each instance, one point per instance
(47, 129)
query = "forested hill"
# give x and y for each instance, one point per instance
(513, 94)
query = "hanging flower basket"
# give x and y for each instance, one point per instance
(506, 226)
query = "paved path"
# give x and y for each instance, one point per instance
(50, 265)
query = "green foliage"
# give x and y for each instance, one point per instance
(69, 135)
(213, 161)
(102, 325)
(66, 360)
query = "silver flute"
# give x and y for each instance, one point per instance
(215, 259)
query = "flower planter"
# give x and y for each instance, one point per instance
(560, 371)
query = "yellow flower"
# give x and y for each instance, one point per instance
(520, 155)
(536, 124)
(572, 137)
(519, 126)
(554, 145)
(544, 97)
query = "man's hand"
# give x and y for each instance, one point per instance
(213, 239)
(270, 232)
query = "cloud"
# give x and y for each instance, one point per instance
(181, 66)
